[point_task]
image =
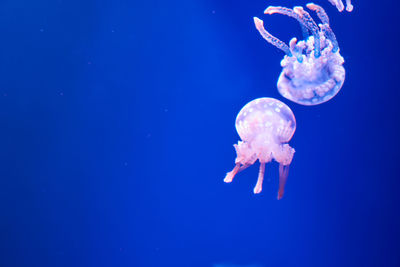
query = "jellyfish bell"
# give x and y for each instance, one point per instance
(312, 69)
(314, 80)
(265, 126)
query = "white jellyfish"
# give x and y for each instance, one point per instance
(313, 70)
(265, 125)
(339, 5)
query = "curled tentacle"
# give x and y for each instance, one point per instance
(290, 13)
(302, 17)
(283, 11)
(331, 36)
(311, 25)
(270, 38)
(325, 28)
(320, 12)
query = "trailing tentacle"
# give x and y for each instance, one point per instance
(338, 3)
(290, 13)
(331, 36)
(270, 38)
(320, 12)
(312, 26)
(326, 29)
(349, 6)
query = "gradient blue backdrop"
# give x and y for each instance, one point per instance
(117, 125)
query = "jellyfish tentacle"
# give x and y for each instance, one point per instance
(283, 11)
(320, 12)
(312, 26)
(302, 17)
(325, 28)
(283, 174)
(338, 3)
(349, 6)
(331, 36)
(290, 13)
(238, 168)
(309, 25)
(258, 187)
(243, 167)
(270, 38)
(230, 175)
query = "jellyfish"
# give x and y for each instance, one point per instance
(312, 69)
(265, 126)
(339, 5)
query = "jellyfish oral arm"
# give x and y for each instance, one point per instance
(245, 157)
(230, 175)
(258, 187)
(339, 5)
(270, 38)
(283, 175)
(349, 6)
(238, 168)
(284, 157)
(320, 12)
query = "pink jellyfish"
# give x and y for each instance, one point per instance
(265, 125)
(313, 70)
(339, 5)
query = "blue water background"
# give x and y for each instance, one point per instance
(117, 126)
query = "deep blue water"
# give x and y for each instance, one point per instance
(117, 130)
